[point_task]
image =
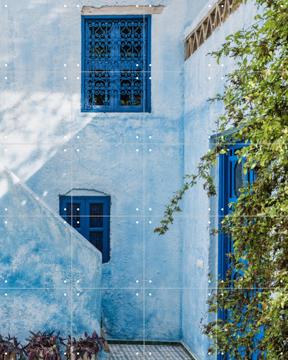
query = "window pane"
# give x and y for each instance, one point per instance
(73, 214)
(96, 215)
(238, 178)
(96, 239)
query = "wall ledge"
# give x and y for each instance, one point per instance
(122, 10)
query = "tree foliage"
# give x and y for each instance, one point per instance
(255, 100)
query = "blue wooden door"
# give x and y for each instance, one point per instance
(231, 179)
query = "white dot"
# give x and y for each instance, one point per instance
(6, 78)
(209, 209)
(137, 222)
(150, 65)
(137, 294)
(222, 209)
(78, 209)
(150, 281)
(65, 281)
(137, 281)
(5, 150)
(222, 65)
(78, 78)
(150, 294)
(65, 78)
(150, 77)
(5, 294)
(64, 65)
(150, 150)
(150, 222)
(78, 294)
(150, 5)
(209, 77)
(137, 65)
(65, 294)
(77, 150)
(6, 222)
(209, 65)
(150, 209)
(65, 209)
(137, 150)
(6, 281)
(78, 65)
(65, 150)
(150, 137)
(5, 5)
(65, 6)
(137, 209)
(6, 209)
(77, 281)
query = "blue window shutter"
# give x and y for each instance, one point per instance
(90, 216)
(116, 63)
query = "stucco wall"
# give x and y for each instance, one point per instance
(46, 268)
(136, 158)
(203, 80)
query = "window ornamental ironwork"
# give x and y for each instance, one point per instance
(116, 63)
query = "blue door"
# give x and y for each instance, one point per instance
(231, 180)
(90, 216)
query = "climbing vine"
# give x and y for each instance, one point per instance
(255, 99)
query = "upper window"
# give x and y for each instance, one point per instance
(116, 63)
(90, 216)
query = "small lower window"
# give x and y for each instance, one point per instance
(90, 216)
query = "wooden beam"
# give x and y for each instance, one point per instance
(214, 18)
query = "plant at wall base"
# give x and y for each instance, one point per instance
(43, 346)
(10, 348)
(255, 98)
(86, 348)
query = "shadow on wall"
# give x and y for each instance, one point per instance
(43, 267)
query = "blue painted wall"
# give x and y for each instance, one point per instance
(44, 268)
(203, 80)
(153, 287)
(136, 158)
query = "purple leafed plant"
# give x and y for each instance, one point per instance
(43, 346)
(10, 348)
(86, 348)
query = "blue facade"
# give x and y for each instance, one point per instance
(151, 287)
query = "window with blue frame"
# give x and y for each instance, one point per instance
(116, 63)
(90, 216)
